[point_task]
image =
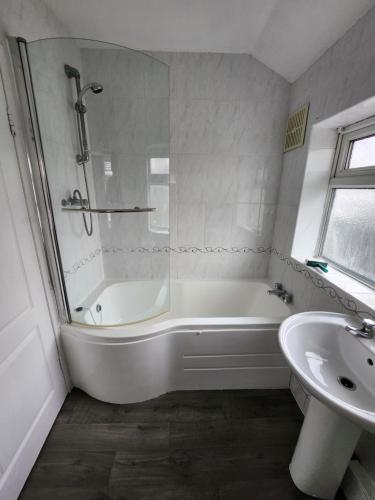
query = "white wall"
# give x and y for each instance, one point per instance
(30, 19)
(227, 121)
(33, 20)
(55, 95)
(228, 115)
(342, 77)
(129, 125)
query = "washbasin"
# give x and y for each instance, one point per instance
(331, 357)
(336, 367)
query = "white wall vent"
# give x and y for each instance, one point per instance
(296, 128)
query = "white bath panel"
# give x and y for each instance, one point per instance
(235, 378)
(231, 359)
(236, 361)
(183, 357)
(260, 339)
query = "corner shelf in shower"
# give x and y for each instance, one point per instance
(87, 210)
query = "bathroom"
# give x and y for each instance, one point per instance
(187, 283)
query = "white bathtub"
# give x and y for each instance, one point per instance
(218, 335)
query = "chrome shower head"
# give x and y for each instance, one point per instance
(95, 87)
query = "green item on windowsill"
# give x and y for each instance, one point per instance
(318, 264)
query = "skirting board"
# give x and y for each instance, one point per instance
(357, 484)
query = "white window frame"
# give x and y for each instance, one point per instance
(345, 178)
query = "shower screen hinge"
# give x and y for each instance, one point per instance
(12, 127)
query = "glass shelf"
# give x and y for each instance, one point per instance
(107, 210)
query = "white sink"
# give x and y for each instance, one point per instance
(319, 351)
(328, 360)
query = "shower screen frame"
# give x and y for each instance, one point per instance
(38, 175)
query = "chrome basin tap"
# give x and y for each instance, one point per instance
(367, 331)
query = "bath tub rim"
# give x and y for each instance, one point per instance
(152, 329)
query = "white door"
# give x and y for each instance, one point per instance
(32, 387)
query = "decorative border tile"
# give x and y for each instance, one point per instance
(347, 303)
(166, 250)
(82, 262)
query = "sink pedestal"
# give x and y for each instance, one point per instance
(324, 448)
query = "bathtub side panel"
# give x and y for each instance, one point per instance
(120, 373)
(231, 359)
(209, 358)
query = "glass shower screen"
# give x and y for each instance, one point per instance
(103, 113)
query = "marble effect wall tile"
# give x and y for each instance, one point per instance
(284, 227)
(218, 225)
(227, 116)
(32, 19)
(55, 106)
(220, 266)
(225, 77)
(267, 216)
(227, 126)
(342, 77)
(129, 125)
(190, 224)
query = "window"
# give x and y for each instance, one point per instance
(348, 231)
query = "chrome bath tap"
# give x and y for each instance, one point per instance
(279, 291)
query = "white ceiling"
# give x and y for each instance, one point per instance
(286, 35)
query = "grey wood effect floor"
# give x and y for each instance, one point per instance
(191, 445)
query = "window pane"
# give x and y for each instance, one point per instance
(363, 153)
(350, 237)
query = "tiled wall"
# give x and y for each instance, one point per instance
(228, 114)
(342, 77)
(55, 95)
(129, 125)
(31, 19)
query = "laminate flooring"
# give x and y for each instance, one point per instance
(185, 445)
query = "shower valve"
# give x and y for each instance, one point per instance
(74, 202)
